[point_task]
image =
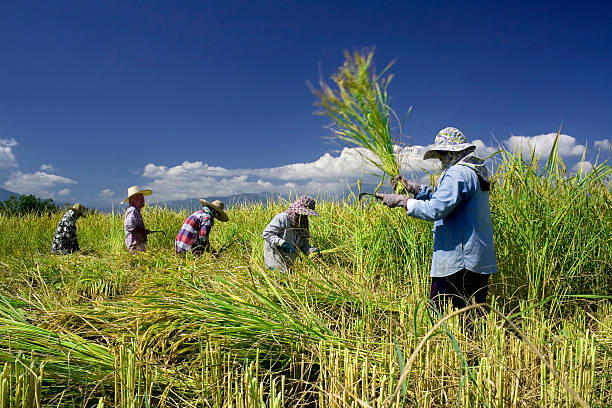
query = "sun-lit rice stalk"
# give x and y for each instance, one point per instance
(358, 103)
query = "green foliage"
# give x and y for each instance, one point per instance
(28, 204)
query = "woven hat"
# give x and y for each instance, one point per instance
(304, 205)
(449, 139)
(79, 208)
(218, 206)
(132, 191)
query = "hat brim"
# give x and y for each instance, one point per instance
(221, 215)
(143, 192)
(306, 211)
(433, 150)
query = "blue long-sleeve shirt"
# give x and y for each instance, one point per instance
(463, 230)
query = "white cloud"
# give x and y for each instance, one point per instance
(603, 145)
(106, 194)
(583, 167)
(47, 167)
(39, 183)
(8, 142)
(7, 158)
(328, 174)
(64, 192)
(542, 144)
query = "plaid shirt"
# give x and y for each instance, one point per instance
(196, 228)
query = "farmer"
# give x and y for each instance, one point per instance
(65, 239)
(195, 232)
(463, 252)
(135, 231)
(287, 233)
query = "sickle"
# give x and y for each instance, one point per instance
(376, 196)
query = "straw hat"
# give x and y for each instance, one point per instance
(449, 139)
(79, 208)
(218, 206)
(132, 191)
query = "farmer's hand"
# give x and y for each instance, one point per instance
(411, 187)
(287, 248)
(314, 253)
(393, 200)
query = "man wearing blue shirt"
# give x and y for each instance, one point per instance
(463, 253)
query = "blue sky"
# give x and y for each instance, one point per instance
(210, 98)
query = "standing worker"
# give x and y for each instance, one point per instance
(287, 233)
(65, 239)
(463, 252)
(135, 231)
(195, 232)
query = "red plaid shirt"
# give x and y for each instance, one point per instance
(196, 227)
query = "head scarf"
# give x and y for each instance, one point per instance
(298, 213)
(468, 159)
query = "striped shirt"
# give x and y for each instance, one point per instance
(196, 228)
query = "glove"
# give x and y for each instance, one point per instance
(314, 253)
(410, 186)
(394, 200)
(287, 248)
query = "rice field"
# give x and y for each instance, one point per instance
(353, 328)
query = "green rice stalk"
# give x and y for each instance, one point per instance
(358, 103)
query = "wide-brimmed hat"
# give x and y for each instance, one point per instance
(132, 191)
(449, 139)
(79, 208)
(304, 205)
(218, 206)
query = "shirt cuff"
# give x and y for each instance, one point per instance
(410, 203)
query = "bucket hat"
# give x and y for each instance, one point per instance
(449, 139)
(218, 206)
(79, 208)
(132, 191)
(304, 205)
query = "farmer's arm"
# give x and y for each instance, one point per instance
(452, 190)
(424, 193)
(275, 229)
(306, 248)
(203, 241)
(71, 236)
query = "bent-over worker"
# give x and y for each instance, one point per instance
(65, 239)
(287, 233)
(195, 232)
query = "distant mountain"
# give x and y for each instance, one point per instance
(193, 204)
(5, 194)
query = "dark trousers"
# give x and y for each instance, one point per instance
(459, 288)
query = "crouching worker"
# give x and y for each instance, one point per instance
(463, 252)
(65, 239)
(133, 225)
(288, 233)
(195, 231)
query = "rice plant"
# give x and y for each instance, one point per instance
(358, 103)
